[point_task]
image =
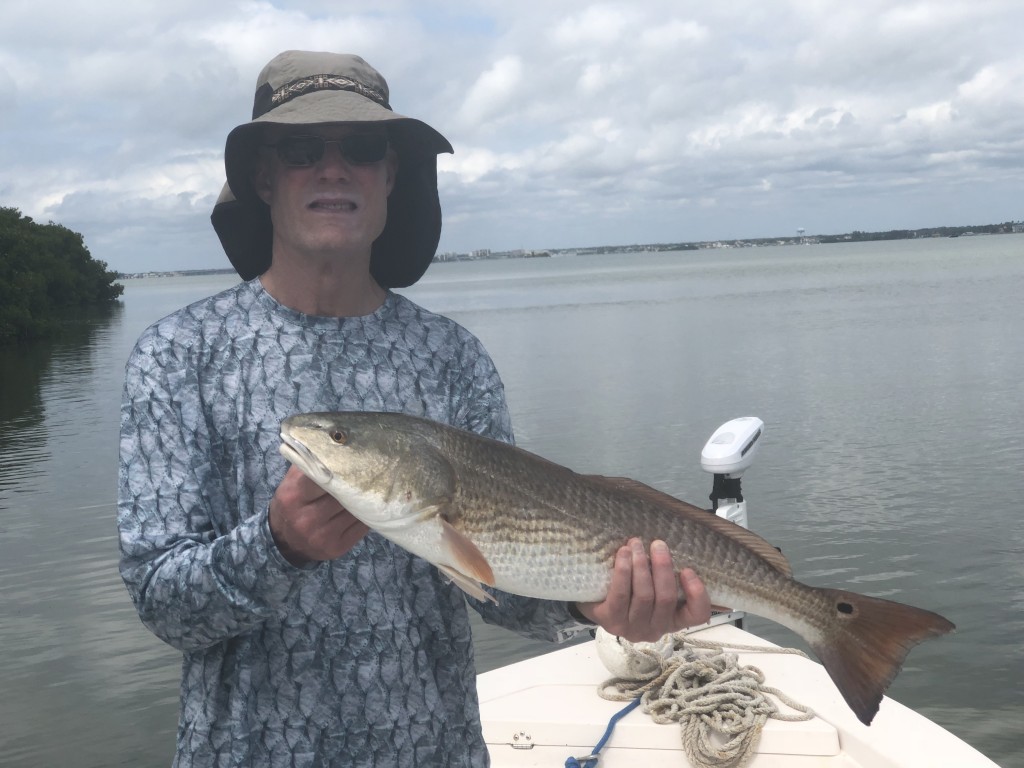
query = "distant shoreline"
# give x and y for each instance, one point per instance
(1006, 228)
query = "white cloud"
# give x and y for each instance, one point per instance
(676, 32)
(492, 95)
(600, 25)
(997, 84)
(665, 120)
(471, 165)
(932, 114)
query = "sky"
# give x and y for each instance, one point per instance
(574, 123)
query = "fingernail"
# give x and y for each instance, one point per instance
(660, 547)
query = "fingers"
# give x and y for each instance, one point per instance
(298, 489)
(697, 606)
(663, 575)
(655, 595)
(641, 585)
(612, 613)
(308, 524)
(344, 537)
(643, 598)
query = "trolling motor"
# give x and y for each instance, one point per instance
(727, 454)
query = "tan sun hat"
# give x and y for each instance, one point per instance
(306, 88)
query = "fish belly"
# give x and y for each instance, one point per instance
(549, 574)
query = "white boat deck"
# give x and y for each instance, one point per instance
(538, 712)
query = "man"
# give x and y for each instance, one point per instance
(306, 639)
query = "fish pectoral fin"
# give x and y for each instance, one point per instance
(467, 559)
(466, 584)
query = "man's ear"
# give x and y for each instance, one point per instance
(391, 159)
(260, 178)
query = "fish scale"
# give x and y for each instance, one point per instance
(577, 517)
(488, 513)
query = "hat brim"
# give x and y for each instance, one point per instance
(412, 231)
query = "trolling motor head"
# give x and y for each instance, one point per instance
(727, 454)
(732, 447)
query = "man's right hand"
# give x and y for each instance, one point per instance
(309, 524)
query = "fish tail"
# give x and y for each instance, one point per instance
(865, 643)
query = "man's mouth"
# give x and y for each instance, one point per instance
(333, 205)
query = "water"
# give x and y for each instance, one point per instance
(888, 375)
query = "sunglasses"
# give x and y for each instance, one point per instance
(356, 148)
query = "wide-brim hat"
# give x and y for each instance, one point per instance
(306, 88)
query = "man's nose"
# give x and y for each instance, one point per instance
(334, 157)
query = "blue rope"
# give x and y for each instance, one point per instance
(591, 760)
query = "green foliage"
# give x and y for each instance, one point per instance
(47, 278)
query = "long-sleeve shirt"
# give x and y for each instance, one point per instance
(365, 660)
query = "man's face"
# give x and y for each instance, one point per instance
(330, 209)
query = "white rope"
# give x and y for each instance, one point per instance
(721, 706)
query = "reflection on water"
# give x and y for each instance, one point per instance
(22, 446)
(25, 368)
(37, 377)
(888, 376)
(65, 628)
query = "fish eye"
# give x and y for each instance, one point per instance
(339, 436)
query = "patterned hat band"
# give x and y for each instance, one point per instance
(268, 99)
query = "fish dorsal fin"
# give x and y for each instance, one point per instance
(747, 538)
(466, 559)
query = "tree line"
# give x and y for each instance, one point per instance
(908, 234)
(47, 278)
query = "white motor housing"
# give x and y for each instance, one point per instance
(732, 447)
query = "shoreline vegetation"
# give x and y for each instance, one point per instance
(761, 242)
(48, 280)
(50, 283)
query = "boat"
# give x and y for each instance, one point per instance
(546, 710)
(539, 712)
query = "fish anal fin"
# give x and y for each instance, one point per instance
(464, 555)
(467, 585)
(747, 538)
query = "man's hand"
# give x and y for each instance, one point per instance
(309, 524)
(643, 597)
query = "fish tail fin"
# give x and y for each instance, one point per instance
(866, 643)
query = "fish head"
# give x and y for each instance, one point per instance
(381, 469)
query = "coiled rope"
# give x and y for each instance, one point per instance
(721, 706)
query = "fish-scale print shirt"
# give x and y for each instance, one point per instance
(366, 660)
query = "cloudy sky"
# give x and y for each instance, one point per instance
(574, 123)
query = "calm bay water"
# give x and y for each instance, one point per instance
(888, 375)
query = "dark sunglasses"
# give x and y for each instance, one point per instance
(356, 148)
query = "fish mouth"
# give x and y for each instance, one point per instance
(298, 454)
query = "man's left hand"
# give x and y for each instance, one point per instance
(643, 597)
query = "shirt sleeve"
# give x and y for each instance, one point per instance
(192, 584)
